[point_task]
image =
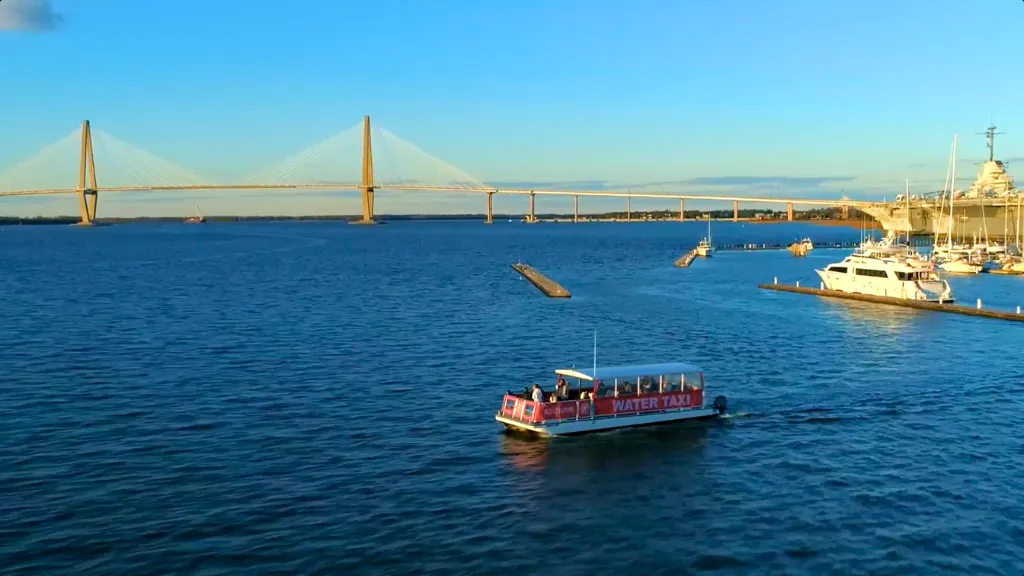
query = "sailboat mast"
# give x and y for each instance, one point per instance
(907, 201)
(952, 191)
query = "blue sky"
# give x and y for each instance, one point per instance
(793, 97)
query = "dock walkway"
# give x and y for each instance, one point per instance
(549, 287)
(918, 304)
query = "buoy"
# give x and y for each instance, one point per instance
(776, 280)
(797, 283)
(979, 303)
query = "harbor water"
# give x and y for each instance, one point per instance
(318, 398)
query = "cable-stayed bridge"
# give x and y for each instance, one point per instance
(387, 162)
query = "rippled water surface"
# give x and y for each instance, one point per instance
(318, 398)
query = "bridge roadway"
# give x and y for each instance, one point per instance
(451, 189)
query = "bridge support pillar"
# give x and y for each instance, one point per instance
(490, 208)
(88, 195)
(845, 211)
(682, 210)
(789, 211)
(629, 208)
(576, 208)
(531, 218)
(366, 186)
(735, 210)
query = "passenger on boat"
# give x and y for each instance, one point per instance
(538, 394)
(562, 389)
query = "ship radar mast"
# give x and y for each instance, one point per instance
(990, 133)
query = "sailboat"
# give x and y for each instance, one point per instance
(197, 219)
(704, 248)
(956, 261)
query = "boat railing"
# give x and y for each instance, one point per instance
(527, 410)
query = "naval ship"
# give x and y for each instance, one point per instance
(991, 205)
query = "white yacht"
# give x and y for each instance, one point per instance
(806, 244)
(891, 276)
(705, 249)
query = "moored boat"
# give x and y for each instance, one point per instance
(599, 399)
(893, 277)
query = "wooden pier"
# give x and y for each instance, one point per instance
(685, 260)
(918, 304)
(549, 287)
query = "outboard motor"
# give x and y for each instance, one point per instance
(720, 404)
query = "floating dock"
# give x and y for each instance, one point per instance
(549, 287)
(918, 304)
(685, 260)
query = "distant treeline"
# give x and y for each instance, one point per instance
(815, 214)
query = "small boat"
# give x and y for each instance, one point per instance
(599, 399)
(197, 219)
(961, 266)
(704, 249)
(807, 245)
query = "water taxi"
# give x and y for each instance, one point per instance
(598, 399)
(906, 278)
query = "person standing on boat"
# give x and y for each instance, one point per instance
(562, 389)
(538, 394)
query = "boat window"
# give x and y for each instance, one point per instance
(870, 272)
(692, 381)
(839, 269)
(671, 382)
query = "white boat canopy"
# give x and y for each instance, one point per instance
(612, 372)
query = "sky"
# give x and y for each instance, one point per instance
(773, 97)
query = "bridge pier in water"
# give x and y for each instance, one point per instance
(531, 217)
(366, 186)
(88, 192)
(789, 211)
(629, 208)
(735, 210)
(576, 208)
(682, 210)
(845, 212)
(490, 208)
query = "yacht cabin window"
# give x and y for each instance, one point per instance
(870, 272)
(839, 269)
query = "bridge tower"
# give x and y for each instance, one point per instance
(366, 186)
(88, 195)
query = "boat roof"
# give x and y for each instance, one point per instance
(629, 371)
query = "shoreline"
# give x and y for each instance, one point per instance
(547, 218)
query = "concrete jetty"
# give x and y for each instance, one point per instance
(549, 287)
(685, 260)
(918, 304)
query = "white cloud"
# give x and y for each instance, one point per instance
(28, 15)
